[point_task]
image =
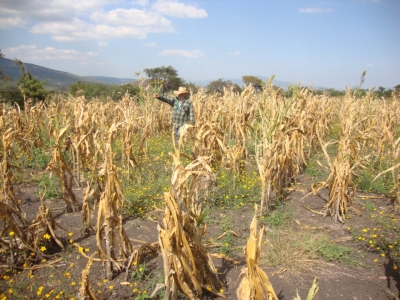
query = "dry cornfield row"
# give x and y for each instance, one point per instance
(280, 133)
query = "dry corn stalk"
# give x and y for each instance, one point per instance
(187, 182)
(26, 238)
(255, 283)
(18, 242)
(6, 189)
(187, 264)
(43, 224)
(82, 145)
(341, 185)
(85, 293)
(109, 221)
(85, 213)
(209, 142)
(59, 166)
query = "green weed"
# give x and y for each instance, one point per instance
(312, 171)
(369, 205)
(278, 217)
(49, 186)
(302, 251)
(364, 178)
(139, 273)
(330, 251)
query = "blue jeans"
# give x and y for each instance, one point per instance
(177, 135)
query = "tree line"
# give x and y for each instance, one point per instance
(161, 79)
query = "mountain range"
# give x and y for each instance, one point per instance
(58, 79)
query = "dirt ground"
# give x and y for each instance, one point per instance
(60, 277)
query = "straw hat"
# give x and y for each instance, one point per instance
(181, 90)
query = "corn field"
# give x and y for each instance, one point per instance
(90, 143)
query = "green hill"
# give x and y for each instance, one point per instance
(55, 80)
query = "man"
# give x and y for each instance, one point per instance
(182, 109)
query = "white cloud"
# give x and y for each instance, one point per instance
(19, 49)
(175, 8)
(76, 20)
(102, 44)
(131, 17)
(140, 2)
(183, 53)
(80, 30)
(11, 22)
(370, 65)
(68, 31)
(234, 53)
(121, 31)
(152, 44)
(31, 52)
(51, 10)
(314, 10)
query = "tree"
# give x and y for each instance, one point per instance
(255, 82)
(88, 89)
(191, 87)
(380, 92)
(102, 91)
(164, 77)
(117, 92)
(218, 86)
(29, 85)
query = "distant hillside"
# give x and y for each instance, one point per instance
(110, 80)
(53, 78)
(61, 80)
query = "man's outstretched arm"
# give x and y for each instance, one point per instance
(164, 99)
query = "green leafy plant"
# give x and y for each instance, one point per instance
(330, 251)
(50, 187)
(139, 273)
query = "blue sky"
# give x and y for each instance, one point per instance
(323, 43)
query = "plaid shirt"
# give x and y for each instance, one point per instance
(180, 115)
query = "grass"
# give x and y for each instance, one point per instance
(299, 250)
(282, 215)
(303, 251)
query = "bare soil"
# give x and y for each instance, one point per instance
(337, 280)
